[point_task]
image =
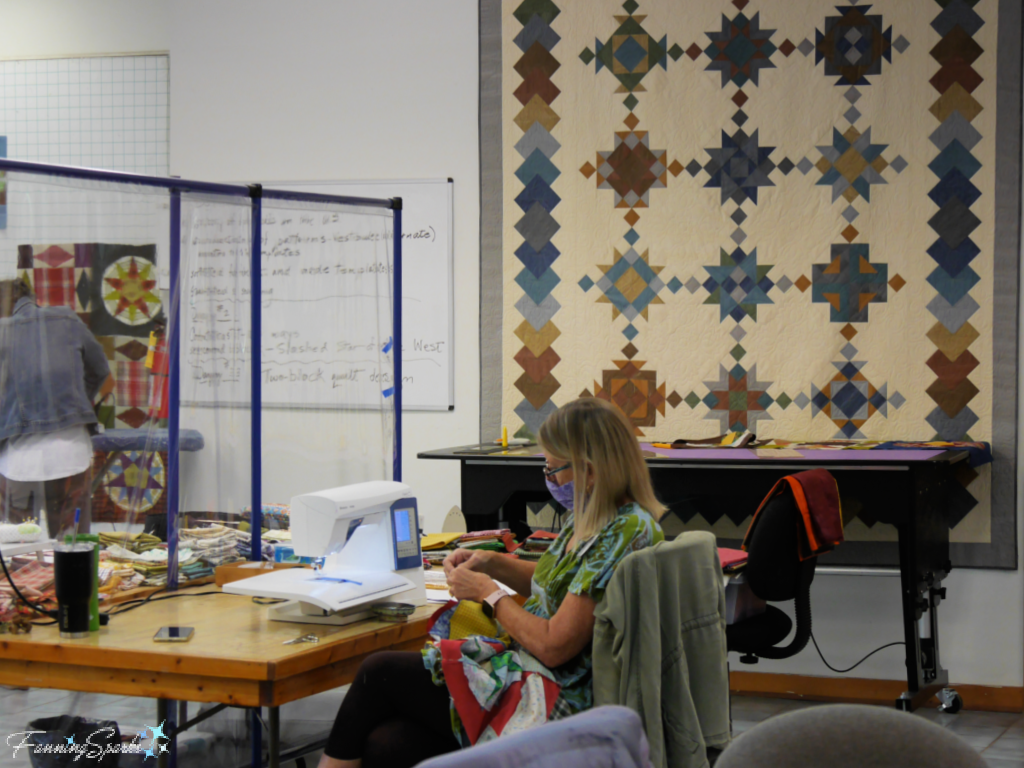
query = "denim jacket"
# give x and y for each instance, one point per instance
(51, 368)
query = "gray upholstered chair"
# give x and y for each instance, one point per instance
(848, 736)
(603, 737)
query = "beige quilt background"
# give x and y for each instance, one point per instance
(769, 215)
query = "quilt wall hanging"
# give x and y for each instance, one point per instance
(113, 289)
(790, 216)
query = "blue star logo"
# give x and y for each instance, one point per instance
(149, 753)
(158, 731)
(71, 739)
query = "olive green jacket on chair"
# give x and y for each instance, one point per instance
(659, 648)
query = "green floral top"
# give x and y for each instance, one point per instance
(586, 570)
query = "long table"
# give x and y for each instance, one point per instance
(237, 656)
(906, 488)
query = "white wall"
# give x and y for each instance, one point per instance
(324, 89)
(36, 29)
(327, 90)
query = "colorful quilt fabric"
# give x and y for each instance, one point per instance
(126, 300)
(132, 384)
(768, 215)
(113, 289)
(496, 690)
(55, 287)
(131, 488)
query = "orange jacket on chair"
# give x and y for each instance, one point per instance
(817, 498)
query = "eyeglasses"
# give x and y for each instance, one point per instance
(556, 470)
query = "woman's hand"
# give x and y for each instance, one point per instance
(466, 584)
(473, 560)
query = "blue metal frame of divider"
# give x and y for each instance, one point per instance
(256, 194)
(396, 207)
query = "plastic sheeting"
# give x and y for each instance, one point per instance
(90, 289)
(82, 295)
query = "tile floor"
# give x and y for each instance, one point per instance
(301, 722)
(999, 737)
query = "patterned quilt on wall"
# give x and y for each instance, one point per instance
(790, 216)
(113, 289)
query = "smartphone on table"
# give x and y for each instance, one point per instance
(174, 634)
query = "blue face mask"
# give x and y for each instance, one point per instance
(563, 494)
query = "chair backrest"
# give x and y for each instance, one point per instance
(774, 569)
(603, 737)
(849, 736)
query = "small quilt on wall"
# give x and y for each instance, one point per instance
(113, 289)
(133, 487)
(775, 215)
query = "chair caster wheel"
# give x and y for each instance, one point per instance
(950, 701)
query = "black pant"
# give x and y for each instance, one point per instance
(393, 715)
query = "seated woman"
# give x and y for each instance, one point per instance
(399, 710)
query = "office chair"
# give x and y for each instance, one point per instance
(775, 573)
(849, 736)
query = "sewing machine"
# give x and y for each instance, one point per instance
(368, 535)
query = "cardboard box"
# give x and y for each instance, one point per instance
(225, 574)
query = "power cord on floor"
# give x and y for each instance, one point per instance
(848, 669)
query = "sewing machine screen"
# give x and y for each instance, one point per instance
(407, 545)
(402, 525)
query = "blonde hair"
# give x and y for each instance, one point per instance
(593, 434)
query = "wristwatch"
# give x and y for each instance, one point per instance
(491, 602)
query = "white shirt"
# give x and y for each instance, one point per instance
(47, 455)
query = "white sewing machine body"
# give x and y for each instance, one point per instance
(369, 535)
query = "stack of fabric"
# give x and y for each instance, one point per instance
(117, 575)
(275, 516)
(243, 545)
(499, 540)
(195, 569)
(134, 542)
(536, 545)
(214, 545)
(437, 546)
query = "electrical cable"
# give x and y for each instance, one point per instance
(848, 669)
(141, 600)
(139, 603)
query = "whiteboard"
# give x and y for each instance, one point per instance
(428, 360)
(307, 356)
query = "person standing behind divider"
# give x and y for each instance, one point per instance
(398, 710)
(51, 370)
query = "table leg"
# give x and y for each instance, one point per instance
(274, 737)
(163, 759)
(256, 732)
(924, 563)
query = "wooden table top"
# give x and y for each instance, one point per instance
(233, 639)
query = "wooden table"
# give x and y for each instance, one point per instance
(236, 657)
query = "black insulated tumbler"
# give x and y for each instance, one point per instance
(73, 572)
